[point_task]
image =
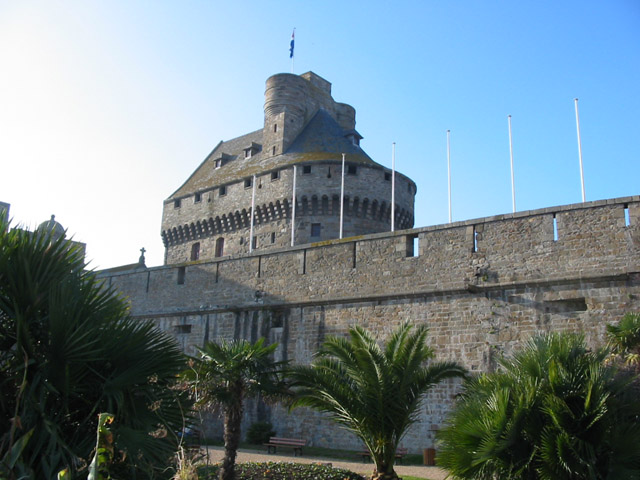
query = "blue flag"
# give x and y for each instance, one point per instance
(293, 39)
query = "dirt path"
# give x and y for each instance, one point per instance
(432, 473)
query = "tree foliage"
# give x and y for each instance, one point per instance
(372, 391)
(555, 411)
(227, 373)
(624, 339)
(68, 351)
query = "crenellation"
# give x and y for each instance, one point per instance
(482, 286)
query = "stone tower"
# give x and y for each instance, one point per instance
(304, 135)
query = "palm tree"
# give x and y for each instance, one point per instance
(624, 339)
(68, 351)
(556, 411)
(228, 373)
(373, 392)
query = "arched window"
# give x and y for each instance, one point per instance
(220, 247)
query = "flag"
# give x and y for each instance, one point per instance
(293, 39)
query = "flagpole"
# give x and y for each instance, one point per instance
(253, 205)
(293, 209)
(513, 186)
(342, 197)
(393, 187)
(580, 151)
(449, 169)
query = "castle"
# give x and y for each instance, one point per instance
(482, 286)
(301, 144)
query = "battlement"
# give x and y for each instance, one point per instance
(578, 241)
(481, 286)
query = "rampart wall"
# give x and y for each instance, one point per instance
(482, 286)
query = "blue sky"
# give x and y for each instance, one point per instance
(107, 107)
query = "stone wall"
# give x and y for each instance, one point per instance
(228, 215)
(482, 286)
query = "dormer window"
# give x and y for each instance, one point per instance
(251, 150)
(354, 137)
(221, 160)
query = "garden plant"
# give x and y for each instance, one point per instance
(68, 351)
(371, 391)
(226, 374)
(556, 411)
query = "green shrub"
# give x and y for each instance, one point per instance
(259, 433)
(555, 411)
(281, 471)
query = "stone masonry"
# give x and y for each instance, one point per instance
(305, 131)
(482, 286)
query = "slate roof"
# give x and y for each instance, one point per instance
(321, 139)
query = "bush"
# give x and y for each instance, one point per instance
(282, 471)
(555, 411)
(68, 350)
(259, 433)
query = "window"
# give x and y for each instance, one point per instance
(184, 329)
(247, 153)
(352, 169)
(197, 198)
(275, 127)
(413, 246)
(306, 169)
(222, 191)
(273, 237)
(627, 218)
(220, 247)
(176, 203)
(248, 182)
(387, 176)
(181, 274)
(254, 242)
(195, 251)
(315, 229)
(353, 139)
(218, 163)
(273, 151)
(275, 175)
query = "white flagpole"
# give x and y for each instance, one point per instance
(393, 188)
(580, 151)
(449, 169)
(293, 209)
(513, 185)
(342, 198)
(253, 205)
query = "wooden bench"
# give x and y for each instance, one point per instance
(400, 453)
(295, 443)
